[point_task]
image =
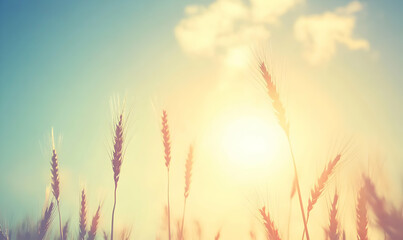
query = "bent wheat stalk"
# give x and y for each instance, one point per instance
(280, 113)
(316, 192)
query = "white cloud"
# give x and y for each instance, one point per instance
(225, 26)
(322, 33)
(270, 10)
(352, 7)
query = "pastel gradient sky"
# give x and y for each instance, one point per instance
(61, 63)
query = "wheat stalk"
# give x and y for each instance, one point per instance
(117, 159)
(333, 231)
(83, 216)
(252, 235)
(198, 230)
(55, 176)
(292, 194)
(293, 189)
(280, 113)
(362, 218)
(45, 222)
(167, 156)
(389, 219)
(217, 236)
(274, 95)
(56, 181)
(166, 138)
(316, 192)
(188, 175)
(125, 234)
(4, 235)
(65, 230)
(271, 230)
(178, 229)
(94, 225)
(188, 171)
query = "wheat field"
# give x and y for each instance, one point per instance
(201, 120)
(368, 204)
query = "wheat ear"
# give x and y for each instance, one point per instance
(4, 235)
(117, 159)
(333, 231)
(167, 156)
(280, 113)
(388, 218)
(125, 234)
(275, 97)
(56, 182)
(218, 235)
(362, 215)
(94, 225)
(316, 192)
(65, 230)
(83, 216)
(252, 235)
(271, 230)
(188, 176)
(45, 221)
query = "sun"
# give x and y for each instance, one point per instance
(248, 141)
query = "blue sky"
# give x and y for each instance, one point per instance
(60, 63)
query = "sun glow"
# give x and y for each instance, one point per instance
(248, 142)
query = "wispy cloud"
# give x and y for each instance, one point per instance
(226, 26)
(321, 34)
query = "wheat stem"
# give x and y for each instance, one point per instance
(113, 211)
(183, 219)
(298, 189)
(60, 220)
(169, 208)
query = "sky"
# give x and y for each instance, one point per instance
(64, 65)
